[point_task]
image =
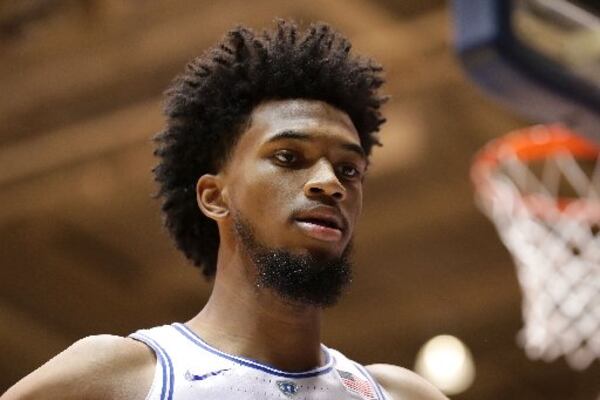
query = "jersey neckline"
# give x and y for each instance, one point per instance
(197, 340)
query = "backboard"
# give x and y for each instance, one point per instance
(538, 57)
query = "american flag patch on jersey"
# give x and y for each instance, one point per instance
(357, 385)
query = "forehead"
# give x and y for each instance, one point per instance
(307, 116)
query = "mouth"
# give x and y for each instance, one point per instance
(327, 228)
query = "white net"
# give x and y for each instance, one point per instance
(555, 242)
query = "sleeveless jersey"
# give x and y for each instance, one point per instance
(188, 368)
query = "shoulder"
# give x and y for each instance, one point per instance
(402, 383)
(95, 367)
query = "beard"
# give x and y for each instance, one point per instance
(307, 279)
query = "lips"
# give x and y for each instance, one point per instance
(322, 224)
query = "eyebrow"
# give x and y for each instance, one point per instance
(284, 135)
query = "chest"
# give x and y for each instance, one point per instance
(239, 382)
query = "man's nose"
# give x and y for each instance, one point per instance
(324, 182)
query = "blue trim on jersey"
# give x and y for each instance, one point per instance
(161, 359)
(162, 355)
(369, 378)
(188, 333)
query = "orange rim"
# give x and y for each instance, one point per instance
(531, 144)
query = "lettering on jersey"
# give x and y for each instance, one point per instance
(356, 385)
(288, 388)
(192, 377)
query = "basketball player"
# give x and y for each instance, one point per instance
(261, 172)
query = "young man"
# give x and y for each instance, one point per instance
(261, 171)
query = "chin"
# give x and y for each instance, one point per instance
(323, 251)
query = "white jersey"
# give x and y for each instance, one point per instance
(188, 368)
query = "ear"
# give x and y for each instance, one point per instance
(211, 197)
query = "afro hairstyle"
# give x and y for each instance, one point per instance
(208, 106)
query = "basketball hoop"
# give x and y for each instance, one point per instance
(541, 188)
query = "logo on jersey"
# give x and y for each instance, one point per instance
(288, 388)
(193, 377)
(356, 385)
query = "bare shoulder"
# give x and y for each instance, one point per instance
(404, 384)
(95, 367)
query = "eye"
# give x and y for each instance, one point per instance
(286, 157)
(349, 171)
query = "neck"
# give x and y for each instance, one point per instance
(254, 323)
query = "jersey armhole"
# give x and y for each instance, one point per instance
(381, 393)
(162, 382)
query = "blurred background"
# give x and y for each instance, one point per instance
(82, 250)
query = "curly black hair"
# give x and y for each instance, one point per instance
(208, 106)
